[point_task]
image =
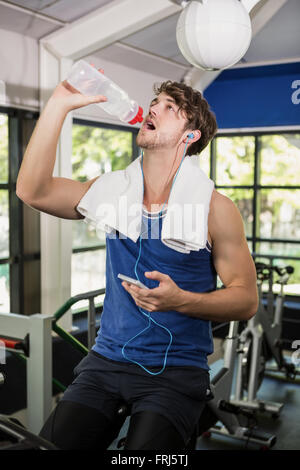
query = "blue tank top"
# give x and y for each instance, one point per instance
(121, 319)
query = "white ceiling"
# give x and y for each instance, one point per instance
(280, 37)
(153, 49)
(160, 39)
(63, 10)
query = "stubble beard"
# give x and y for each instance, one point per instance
(151, 142)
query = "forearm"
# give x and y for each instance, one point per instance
(230, 303)
(39, 159)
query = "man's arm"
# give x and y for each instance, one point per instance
(35, 184)
(234, 265)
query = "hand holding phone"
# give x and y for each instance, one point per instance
(132, 281)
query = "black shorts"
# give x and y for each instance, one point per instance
(179, 393)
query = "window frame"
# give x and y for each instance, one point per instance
(17, 258)
(254, 239)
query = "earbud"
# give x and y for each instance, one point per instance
(190, 136)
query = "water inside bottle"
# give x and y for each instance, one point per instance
(90, 82)
(118, 102)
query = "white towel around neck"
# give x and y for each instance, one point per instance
(114, 202)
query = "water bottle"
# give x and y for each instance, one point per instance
(86, 79)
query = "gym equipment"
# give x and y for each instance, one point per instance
(34, 337)
(260, 342)
(13, 436)
(219, 409)
(30, 337)
(91, 319)
(22, 345)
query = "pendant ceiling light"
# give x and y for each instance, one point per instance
(214, 34)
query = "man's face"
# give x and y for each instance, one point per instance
(164, 125)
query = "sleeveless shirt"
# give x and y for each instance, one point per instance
(121, 318)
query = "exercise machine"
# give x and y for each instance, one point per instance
(222, 417)
(13, 436)
(31, 335)
(260, 341)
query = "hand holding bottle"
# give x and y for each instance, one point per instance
(70, 98)
(88, 81)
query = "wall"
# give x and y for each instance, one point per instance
(19, 69)
(19, 58)
(253, 97)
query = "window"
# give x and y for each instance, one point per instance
(97, 149)
(19, 224)
(204, 160)
(260, 173)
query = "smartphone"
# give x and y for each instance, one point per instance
(130, 280)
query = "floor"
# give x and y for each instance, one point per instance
(286, 427)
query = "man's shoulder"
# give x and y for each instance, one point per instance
(224, 215)
(219, 202)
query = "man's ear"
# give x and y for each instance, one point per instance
(196, 136)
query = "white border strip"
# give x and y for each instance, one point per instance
(241, 130)
(265, 63)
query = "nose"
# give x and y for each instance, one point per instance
(153, 110)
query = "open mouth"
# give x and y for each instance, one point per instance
(149, 126)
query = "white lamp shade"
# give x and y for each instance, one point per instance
(214, 34)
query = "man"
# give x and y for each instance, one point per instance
(160, 371)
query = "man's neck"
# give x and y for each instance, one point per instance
(159, 168)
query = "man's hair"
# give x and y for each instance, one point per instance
(196, 109)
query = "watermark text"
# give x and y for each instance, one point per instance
(296, 94)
